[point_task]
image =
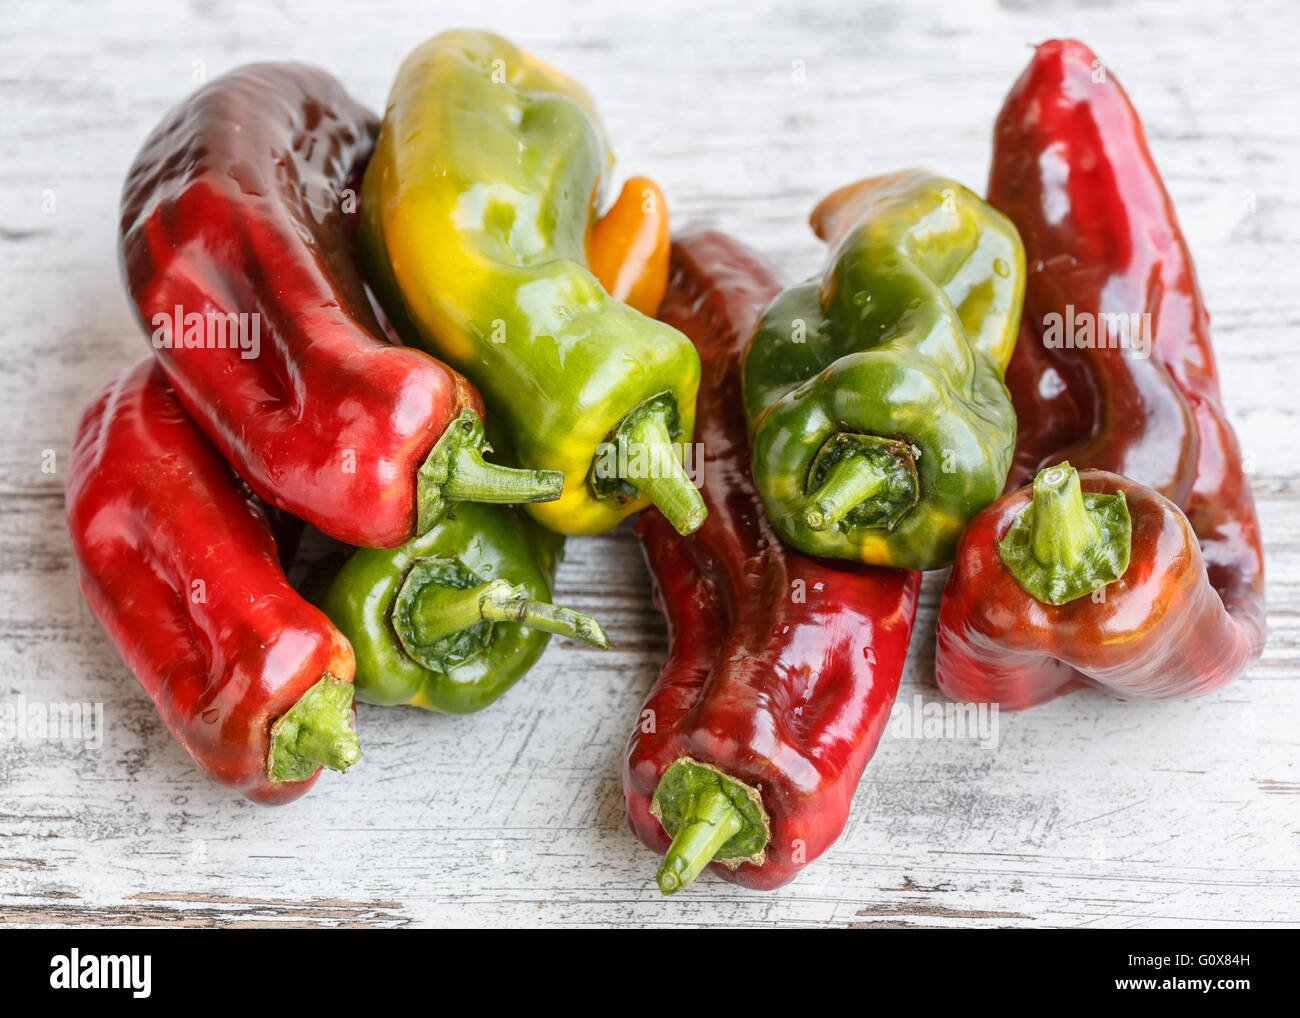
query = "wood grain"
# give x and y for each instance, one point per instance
(1088, 812)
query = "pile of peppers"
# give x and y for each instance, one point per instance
(422, 339)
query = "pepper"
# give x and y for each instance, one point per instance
(783, 669)
(476, 216)
(236, 247)
(874, 393)
(1083, 580)
(180, 568)
(629, 246)
(453, 618)
(1132, 388)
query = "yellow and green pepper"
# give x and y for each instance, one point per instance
(874, 393)
(477, 219)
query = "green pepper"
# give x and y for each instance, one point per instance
(874, 393)
(477, 208)
(453, 618)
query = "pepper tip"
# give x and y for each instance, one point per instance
(669, 882)
(815, 518)
(694, 519)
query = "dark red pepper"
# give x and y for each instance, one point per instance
(1123, 604)
(782, 670)
(238, 205)
(1072, 169)
(178, 564)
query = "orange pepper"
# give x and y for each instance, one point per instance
(628, 250)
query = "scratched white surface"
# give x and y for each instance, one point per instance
(1088, 812)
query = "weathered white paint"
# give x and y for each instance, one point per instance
(1089, 812)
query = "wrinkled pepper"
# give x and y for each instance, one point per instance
(477, 216)
(1083, 580)
(237, 250)
(178, 564)
(1115, 369)
(877, 411)
(453, 618)
(782, 670)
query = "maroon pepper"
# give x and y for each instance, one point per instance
(783, 669)
(1083, 581)
(1072, 170)
(236, 249)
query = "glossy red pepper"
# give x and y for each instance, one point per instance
(1071, 168)
(1156, 631)
(179, 566)
(236, 247)
(782, 670)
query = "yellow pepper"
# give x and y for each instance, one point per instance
(476, 230)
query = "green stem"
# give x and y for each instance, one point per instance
(710, 816)
(645, 441)
(708, 824)
(455, 471)
(471, 478)
(861, 480)
(434, 611)
(1060, 529)
(315, 732)
(547, 617)
(1067, 543)
(849, 482)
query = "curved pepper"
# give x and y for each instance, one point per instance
(179, 566)
(453, 618)
(874, 394)
(1083, 580)
(477, 210)
(1072, 169)
(236, 230)
(782, 670)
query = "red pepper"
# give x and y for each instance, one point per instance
(783, 670)
(1071, 168)
(238, 205)
(179, 566)
(1041, 601)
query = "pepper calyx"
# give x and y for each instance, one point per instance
(455, 471)
(443, 613)
(858, 480)
(315, 732)
(638, 458)
(711, 817)
(1067, 543)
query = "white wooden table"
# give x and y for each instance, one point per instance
(1087, 813)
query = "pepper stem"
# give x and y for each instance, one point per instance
(315, 732)
(547, 617)
(709, 816)
(862, 480)
(1066, 542)
(1060, 529)
(649, 463)
(709, 823)
(434, 611)
(849, 482)
(455, 471)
